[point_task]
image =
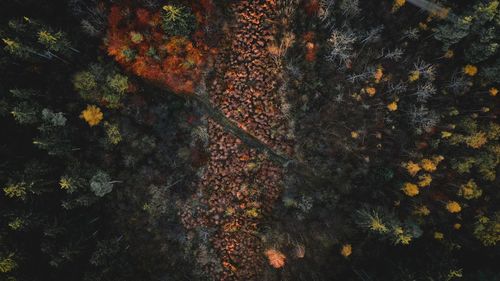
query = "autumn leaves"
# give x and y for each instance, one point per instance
(160, 46)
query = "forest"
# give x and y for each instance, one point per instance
(249, 140)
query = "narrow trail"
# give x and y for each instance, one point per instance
(240, 184)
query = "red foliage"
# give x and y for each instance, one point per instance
(311, 50)
(203, 10)
(143, 17)
(312, 7)
(311, 47)
(309, 36)
(175, 62)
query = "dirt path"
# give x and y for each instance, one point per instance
(240, 185)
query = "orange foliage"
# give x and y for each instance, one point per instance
(229, 266)
(311, 48)
(276, 258)
(311, 51)
(175, 62)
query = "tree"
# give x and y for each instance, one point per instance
(29, 39)
(101, 184)
(178, 20)
(102, 84)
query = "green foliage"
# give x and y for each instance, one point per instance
(55, 192)
(101, 84)
(113, 133)
(55, 42)
(61, 194)
(491, 72)
(178, 20)
(16, 224)
(7, 264)
(30, 39)
(118, 83)
(101, 184)
(487, 229)
(25, 113)
(52, 133)
(388, 226)
(485, 47)
(463, 165)
(451, 33)
(470, 190)
(16, 190)
(16, 49)
(84, 81)
(480, 25)
(481, 142)
(53, 119)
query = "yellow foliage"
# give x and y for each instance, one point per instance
(453, 207)
(457, 226)
(438, 235)
(423, 26)
(397, 5)
(65, 183)
(437, 159)
(470, 70)
(9, 42)
(446, 134)
(46, 37)
(487, 230)
(428, 165)
(410, 189)
(422, 211)
(393, 106)
(401, 237)
(414, 76)
(231, 227)
(253, 213)
(476, 140)
(378, 74)
(371, 91)
(449, 54)
(493, 92)
(15, 191)
(346, 250)
(376, 224)
(16, 224)
(92, 115)
(425, 180)
(7, 264)
(354, 135)
(470, 190)
(441, 13)
(230, 211)
(412, 168)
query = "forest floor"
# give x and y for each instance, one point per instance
(240, 184)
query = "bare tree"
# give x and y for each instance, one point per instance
(340, 46)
